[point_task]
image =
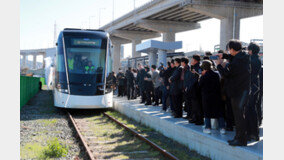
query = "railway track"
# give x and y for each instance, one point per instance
(104, 137)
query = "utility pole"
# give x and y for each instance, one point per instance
(90, 21)
(100, 16)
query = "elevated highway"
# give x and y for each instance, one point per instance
(167, 17)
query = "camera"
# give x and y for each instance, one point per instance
(213, 57)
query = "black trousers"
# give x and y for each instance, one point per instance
(130, 90)
(251, 115)
(229, 116)
(157, 95)
(177, 104)
(239, 103)
(120, 90)
(148, 96)
(187, 103)
(196, 111)
(259, 108)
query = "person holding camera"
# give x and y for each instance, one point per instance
(238, 77)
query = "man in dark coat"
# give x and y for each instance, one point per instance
(140, 80)
(251, 110)
(211, 97)
(148, 86)
(175, 89)
(195, 95)
(165, 74)
(121, 83)
(188, 81)
(130, 83)
(238, 76)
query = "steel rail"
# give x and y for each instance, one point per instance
(90, 155)
(161, 150)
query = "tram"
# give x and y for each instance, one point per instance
(82, 64)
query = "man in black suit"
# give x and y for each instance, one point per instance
(238, 77)
(176, 89)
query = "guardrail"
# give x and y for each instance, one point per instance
(29, 86)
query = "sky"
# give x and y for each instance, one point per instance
(37, 19)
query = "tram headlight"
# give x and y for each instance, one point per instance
(63, 90)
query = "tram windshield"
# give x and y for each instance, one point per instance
(86, 59)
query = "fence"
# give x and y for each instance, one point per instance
(29, 86)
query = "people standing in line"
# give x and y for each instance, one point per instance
(157, 84)
(148, 86)
(260, 101)
(251, 110)
(188, 79)
(141, 84)
(228, 115)
(135, 90)
(238, 76)
(130, 83)
(211, 97)
(175, 89)
(195, 95)
(165, 75)
(121, 83)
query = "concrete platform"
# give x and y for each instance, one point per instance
(211, 145)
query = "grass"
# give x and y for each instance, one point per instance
(31, 150)
(54, 149)
(106, 130)
(48, 122)
(179, 150)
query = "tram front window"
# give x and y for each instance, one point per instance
(86, 58)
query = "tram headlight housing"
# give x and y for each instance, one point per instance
(63, 90)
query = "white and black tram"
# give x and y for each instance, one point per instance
(82, 63)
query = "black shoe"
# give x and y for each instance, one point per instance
(253, 137)
(186, 117)
(199, 123)
(191, 120)
(229, 129)
(237, 143)
(156, 104)
(142, 102)
(177, 116)
(147, 104)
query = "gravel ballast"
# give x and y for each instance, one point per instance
(41, 122)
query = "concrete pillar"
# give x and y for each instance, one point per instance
(43, 61)
(230, 29)
(134, 43)
(152, 59)
(169, 37)
(24, 61)
(162, 57)
(34, 61)
(116, 57)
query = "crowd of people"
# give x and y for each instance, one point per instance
(226, 86)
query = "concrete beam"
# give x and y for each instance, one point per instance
(134, 35)
(167, 26)
(221, 9)
(119, 40)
